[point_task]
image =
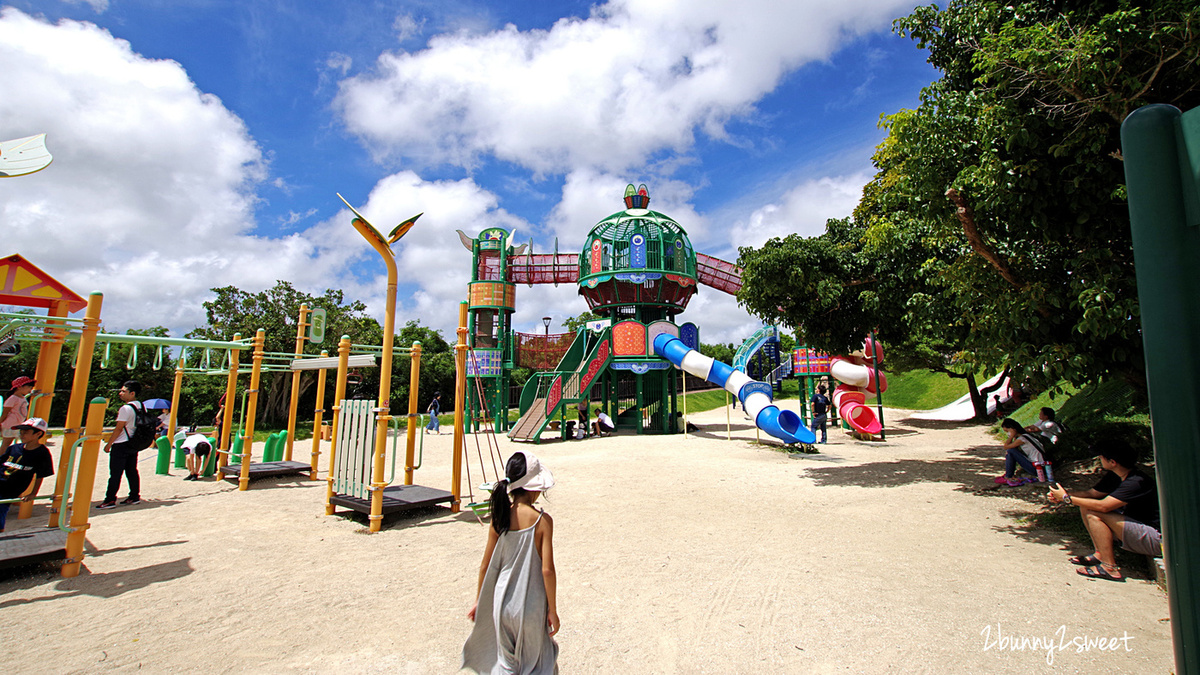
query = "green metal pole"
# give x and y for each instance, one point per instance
(1161, 147)
(878, 386)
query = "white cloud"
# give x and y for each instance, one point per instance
(589, 196)
(339, 62)
(802, 210)
(151, 195)
(433, 266)
(98, 6)
(608, 92)
(407, 27)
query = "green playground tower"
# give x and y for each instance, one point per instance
(637, 271)
(491, 301)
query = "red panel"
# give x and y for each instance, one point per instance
(542, 352)
(554, 396)
(549, 268)
(594, 366)
(721, 275)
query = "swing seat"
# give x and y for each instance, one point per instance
(481, 509)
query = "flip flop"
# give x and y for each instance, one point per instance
(1085, 560)
(1098, 572)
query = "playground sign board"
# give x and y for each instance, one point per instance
(316, 326)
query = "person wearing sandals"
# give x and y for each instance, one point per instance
(516, 611)
(1020, 448)
(1122, 508)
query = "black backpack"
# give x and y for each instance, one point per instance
(144, 425)
(1037, 441)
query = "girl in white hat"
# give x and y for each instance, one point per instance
(516, 614)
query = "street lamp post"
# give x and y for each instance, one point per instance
(546, 322)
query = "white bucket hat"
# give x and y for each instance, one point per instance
(537, 477)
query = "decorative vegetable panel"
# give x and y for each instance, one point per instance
(629, 339)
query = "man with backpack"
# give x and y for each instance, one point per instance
(133, 432)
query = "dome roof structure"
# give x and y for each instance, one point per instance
(637, 258)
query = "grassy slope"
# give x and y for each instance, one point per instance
(915, 390)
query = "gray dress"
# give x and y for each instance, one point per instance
(510, 634)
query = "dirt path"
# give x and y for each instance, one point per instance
(695, 555)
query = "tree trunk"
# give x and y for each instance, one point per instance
(978, 400)
(987, 391)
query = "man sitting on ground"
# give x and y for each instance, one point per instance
(1122, 507)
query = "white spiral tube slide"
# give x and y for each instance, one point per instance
(755, 396)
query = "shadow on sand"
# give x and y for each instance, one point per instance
(105, 584)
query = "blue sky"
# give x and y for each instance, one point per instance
(199, 143)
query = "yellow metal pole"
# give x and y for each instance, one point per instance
(44, 379)
(728, 425)
(85, 481)
(318, 414)
(385, 373)
(685, 405)
(414, 384)
(83, 372)
(460, 395)
(174, 418)
(223, 443)
(339, 392)
(248, 434)
(301, 324)
(47, 368)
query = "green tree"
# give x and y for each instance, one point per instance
(721, 352)
(995, 233)
(276, 310)
(574, 324)
(111, 366)
(437, 365)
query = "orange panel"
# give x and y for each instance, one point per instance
(629, 339)
(24, 285)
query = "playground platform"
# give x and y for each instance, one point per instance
(396, 498)
(266, 469)
(31, 546)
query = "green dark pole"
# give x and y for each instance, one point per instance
(1162, 154)
(878, 385)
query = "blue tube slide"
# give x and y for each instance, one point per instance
(755, 396)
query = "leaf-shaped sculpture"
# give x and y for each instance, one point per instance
(23, 156)
(403, 228)
(397, 232)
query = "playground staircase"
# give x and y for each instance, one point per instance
(546, 394)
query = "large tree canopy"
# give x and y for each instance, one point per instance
(995, 233)
(276, 310)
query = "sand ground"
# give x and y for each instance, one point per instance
(674, 555)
